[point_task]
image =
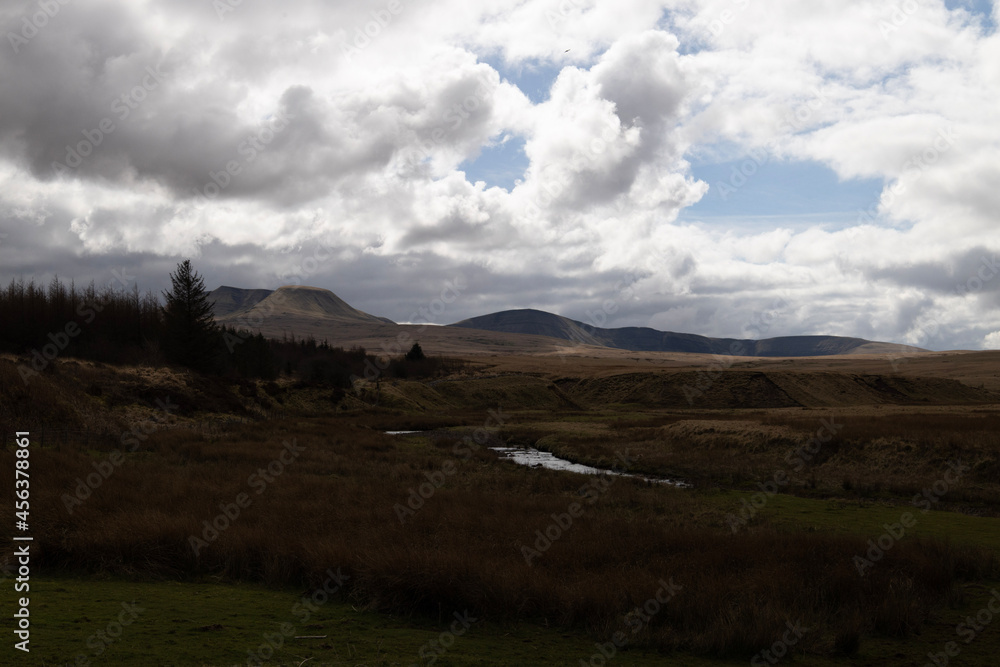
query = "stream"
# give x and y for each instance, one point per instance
(534, 458)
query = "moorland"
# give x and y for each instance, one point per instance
(857, 497)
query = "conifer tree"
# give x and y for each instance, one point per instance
(416, 353)
(191, 335)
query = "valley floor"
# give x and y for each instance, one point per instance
(862, 511)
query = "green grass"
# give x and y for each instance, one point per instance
(787, 512)
(357, 475)
(866, 518)
(218, 624)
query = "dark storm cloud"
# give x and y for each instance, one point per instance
(971, 271)
(135, 134)
(92, 98)
(455, 229)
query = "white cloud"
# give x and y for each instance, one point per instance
(382, 122)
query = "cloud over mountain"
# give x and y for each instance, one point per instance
(337, 145)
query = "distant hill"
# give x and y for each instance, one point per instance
(644, 339)
(311, 311)
(291, 304)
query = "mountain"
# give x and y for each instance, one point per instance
(644, 339)
(229, 300)
(287, 305)
(536, 323)
(311, 311)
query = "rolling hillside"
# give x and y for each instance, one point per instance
(310, 311)
(644, 339)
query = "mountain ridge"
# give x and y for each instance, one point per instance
(645, 339)
(302, 311)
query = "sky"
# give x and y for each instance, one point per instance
(733, 168)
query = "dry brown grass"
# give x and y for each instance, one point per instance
(333, 507)
(111, 399)
(891, 456)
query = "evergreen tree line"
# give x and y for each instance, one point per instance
(118, 325)
(108, 324)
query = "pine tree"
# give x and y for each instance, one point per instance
(416, 353)
(191, 335)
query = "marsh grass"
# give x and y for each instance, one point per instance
(334, 507)
(891, 458)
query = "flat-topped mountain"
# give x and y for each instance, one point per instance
(228, 300)
(291, 303)
(645, 339)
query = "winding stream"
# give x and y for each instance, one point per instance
(537, 459)
(534, 458)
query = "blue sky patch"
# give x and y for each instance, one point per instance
(533, 78)
(498, 165)
(769, 190)
(982, 9)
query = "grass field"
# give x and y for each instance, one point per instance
(876, 528)
(207, 623)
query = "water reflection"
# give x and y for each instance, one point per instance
(537, 459)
